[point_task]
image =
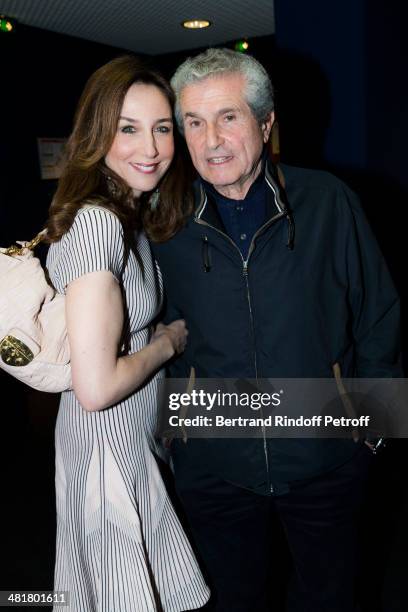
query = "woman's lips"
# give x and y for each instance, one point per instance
(145, 168)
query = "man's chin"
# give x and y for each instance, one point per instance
(220, 178)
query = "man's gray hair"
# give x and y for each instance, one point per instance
(258, 91)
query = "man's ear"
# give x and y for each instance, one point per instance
(267, 126)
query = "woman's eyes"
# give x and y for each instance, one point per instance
(163, 129)
(130, 129)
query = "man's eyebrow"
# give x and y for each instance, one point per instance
(228, 109)
(222, 111)
(162, 120)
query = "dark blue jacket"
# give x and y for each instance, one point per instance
(285, 312)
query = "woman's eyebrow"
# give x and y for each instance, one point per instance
(129, 119)
(162, 120)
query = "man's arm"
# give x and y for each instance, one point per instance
(373, 300)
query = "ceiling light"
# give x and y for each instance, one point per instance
(196, 24)
(7, 24)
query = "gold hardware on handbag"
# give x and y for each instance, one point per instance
(14, 352)
(33, 337)
(15, 250)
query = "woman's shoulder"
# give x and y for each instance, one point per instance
(95, 210)
(92, 224)
(94, 220)
(95, 241)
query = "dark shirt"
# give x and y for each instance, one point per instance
(241, 218)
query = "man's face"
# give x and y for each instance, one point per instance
(224, 139)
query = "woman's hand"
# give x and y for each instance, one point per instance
(173, 337)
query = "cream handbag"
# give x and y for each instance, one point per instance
(33, 337)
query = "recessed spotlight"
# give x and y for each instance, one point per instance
(196, 24)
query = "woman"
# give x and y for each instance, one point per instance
(120, 547)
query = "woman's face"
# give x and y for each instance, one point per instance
(143, 147)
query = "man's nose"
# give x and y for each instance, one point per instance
(214, 136)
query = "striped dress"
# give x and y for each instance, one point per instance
(120, 546)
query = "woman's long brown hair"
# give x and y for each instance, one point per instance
(85, 176)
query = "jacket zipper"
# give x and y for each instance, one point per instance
(245, 274)
(206, 256)
(265, 446)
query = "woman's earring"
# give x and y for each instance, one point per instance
(111, 186)
(154, 199)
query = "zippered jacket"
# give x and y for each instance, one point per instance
(314, 291)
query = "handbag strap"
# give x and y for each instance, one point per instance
(16, 250)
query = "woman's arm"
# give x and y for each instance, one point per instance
(94, 312)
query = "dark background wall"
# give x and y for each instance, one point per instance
(342, 104)
(42, 78)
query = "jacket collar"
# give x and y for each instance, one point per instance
(276, 201)
(276, 204)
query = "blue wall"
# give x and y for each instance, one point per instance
(361, 49)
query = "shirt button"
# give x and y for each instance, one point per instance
(243, 236)
(239, 208)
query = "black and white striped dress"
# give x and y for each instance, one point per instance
(120, 546)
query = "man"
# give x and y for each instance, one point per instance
(262, 302)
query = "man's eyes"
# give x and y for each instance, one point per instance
(194, 123)
(228, 118)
